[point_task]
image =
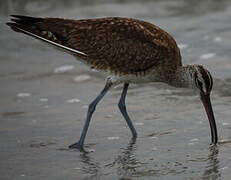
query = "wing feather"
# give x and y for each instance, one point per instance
(118, 45)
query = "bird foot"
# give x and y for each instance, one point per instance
(77, 146)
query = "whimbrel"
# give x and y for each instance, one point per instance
(128, 50)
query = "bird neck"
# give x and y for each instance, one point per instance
(182, 77)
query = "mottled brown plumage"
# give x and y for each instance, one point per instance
(115, 44)
(129, 50)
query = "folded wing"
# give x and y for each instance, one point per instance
(118, 45)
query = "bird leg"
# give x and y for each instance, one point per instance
(91, 109)
(123, 110)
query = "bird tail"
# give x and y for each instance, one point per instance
(53, 31)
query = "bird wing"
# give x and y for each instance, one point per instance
(118, 45)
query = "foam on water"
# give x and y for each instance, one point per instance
(182, 46)
(74, 100)
(43, 99)
(21, 95)
(207, 56)
(63, 68)
(217, 39)
(139, 124)
(225, 124)
(82, 78)
(113, 138)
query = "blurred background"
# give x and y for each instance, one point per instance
(44, 96)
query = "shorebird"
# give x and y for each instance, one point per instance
(128, 50)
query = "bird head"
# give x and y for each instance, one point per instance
(202, 81)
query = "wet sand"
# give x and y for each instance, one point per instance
(44, 96)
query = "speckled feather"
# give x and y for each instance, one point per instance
(119, 45)
(132, 51)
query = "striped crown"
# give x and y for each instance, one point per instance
(203, 79)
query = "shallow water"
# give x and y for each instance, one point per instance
(44, 95)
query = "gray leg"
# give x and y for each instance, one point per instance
(123, 110)
(91, 109)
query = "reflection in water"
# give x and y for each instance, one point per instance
(126, 162)
(212, 169)
(129, 166)
(90, 166)
(130, 161)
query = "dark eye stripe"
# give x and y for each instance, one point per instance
(198, 83)
(195, 77)
(207, 78)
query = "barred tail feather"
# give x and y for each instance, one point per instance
(30, 26)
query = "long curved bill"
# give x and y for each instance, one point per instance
(205, 98)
